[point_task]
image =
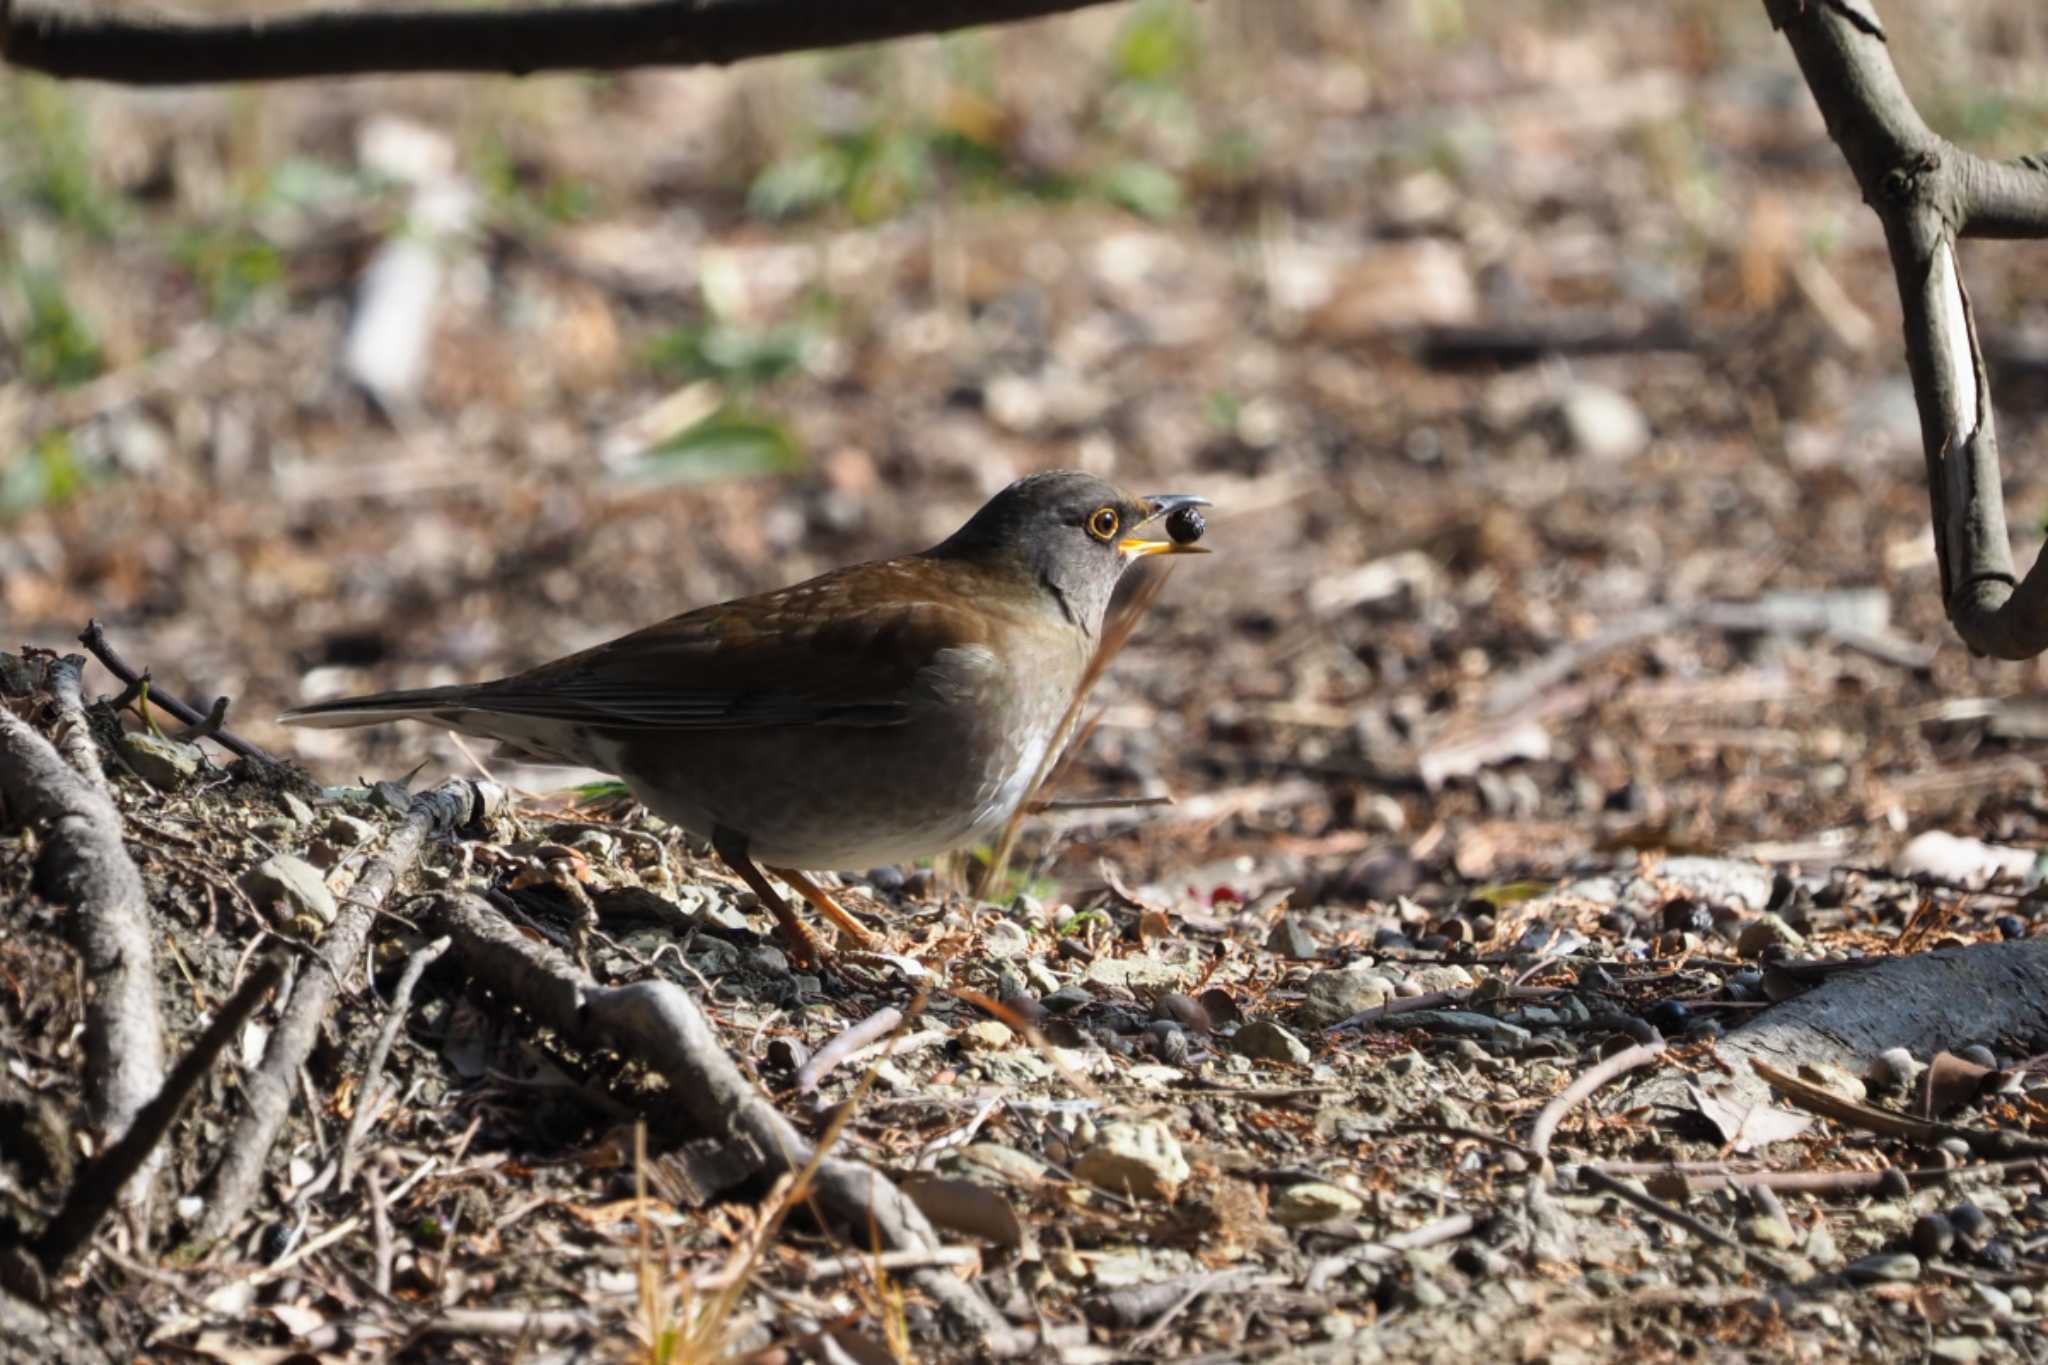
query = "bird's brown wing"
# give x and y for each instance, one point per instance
(842, 649)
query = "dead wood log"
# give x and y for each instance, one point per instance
(268, 1090)
(1923, 1003)
(85, 865)
(658, 1023)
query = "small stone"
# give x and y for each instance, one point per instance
(1018, 1168)
(1290, 940)
(1601, 423)
(1067, 999)
(1006, 939)
(1980, 1054)
(1933, 1235)
(1335, 994)
(1765, 930)
(1441, 977)
(347, 831)
(1313, 1202)
(2022, 1298)
(1183, 1011)
(1957, 1350)
(290, 887)
(767, 960)
(1994, 1298)
(1771, 1231)
(295, 806)
(987, 1035)
(1834, 1080)
(1266, 1041)
(1896, 1266)
(1899, 1069)
(1137, 1158)
(1821, 1248)
(165, 764)
(1972, 1224)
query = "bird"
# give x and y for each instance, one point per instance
(877, 714)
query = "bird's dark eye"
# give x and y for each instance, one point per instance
(1103, 523)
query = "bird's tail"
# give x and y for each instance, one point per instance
(435, 705)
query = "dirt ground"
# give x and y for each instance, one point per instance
(1572, 624)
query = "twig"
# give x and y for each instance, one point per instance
(1812, 1098)
(1099, 803)
(1679, 1218)
(658, 1023)
(85, 865)
(208, 726)
(1680, 1178)
(370, 1096)
(920, 1259)
(849, 1041)
(380, 1232)
(94, 638)
(1621, 1063)
(267, 1090)
(73, 736)
(100, 1181)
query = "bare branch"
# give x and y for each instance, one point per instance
(85, 865)
(142, 48)
(1928, 192)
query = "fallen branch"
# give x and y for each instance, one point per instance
(1679, 1218)
(100, 1180)
(73, 735)
(875, 1027)
(370, 1096)
(1620, 1064)
(85, 865)
(1985, 1142)
(94, 638)
(267, 1091)
(1445, 1229)
(659, 1024)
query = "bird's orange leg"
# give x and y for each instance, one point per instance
(826, 906)
(803, 948)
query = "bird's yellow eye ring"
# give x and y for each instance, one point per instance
(1104, 523)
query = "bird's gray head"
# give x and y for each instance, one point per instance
(1072, 533)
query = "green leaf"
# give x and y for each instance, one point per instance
(1144, 188)
(801, 183)
(731, 443)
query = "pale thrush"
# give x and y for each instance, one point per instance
(872, 715)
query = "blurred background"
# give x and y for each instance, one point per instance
(1493, 332)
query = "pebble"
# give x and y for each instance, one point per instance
(1441, 977)
(787, 1054)
(1019, 1168)
(767, 959)
(1067, 999)
(1933, 1235)
(1668, 1017)
(1266, 1041)
(166, 764)
(1960, 1350)
(1771, 1231)
(1899, 1068)
(987, 1035)
(1313, 1201)
(1183, 1010)
(1334, 995)
(1885, 1266)
(1996, 1299)
(1602, 423)
(1290, 940)
(1765, 931)
(1139, 1158)
(2011, 927)
(295, 806)
(290, 887)
(1980, 1054)
(1005, 939)
(1972, 1224)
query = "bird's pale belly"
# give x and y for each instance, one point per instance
(848, 798)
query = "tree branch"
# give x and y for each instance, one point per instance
(141, 48)
(1928, 192)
